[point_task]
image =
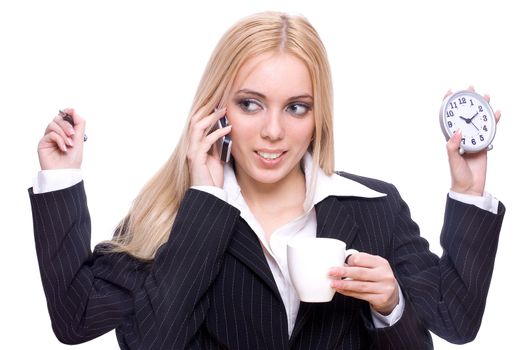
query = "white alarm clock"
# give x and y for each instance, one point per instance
(472, 114)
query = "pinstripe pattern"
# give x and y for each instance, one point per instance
(210, 286)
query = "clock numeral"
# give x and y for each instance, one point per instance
(450, 113)
(471, 103)
(484, 118)
(473, 141)
(463, 140)
(485, 128)
(453, 105)
(462, 100)
(481, 138)
(480, 108)
(449, 124)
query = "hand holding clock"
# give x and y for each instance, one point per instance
(468, 167)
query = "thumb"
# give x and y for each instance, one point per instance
(79, 126)
(453, 145)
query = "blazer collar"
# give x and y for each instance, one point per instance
(322, 186)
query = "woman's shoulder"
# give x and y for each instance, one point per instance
(375, 184)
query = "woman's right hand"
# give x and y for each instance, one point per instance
(206, 169)
(62, 145)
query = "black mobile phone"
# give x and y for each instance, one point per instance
(224, 144)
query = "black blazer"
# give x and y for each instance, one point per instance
(210, 286)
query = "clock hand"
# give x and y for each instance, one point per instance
(469, 121)
(474, 116)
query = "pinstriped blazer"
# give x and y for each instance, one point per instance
(210, 286)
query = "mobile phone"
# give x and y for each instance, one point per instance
(224, 144)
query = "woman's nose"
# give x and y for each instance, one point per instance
(273, 128)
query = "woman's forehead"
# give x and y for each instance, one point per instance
(274, 73)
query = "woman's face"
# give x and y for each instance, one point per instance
(271, 113)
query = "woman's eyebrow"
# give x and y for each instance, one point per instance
(251, 92)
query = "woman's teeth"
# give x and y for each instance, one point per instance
(269, 155)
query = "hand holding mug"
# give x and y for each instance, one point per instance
(309, 261)
(368, 277)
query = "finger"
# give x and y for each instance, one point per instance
(365, 260)
(453, 145)
(80, 126)
(201, 112)
(363, 274)
(449, 92)
(53, 139)
(66, 121)
(497, 115)
(207, 122)
(64, 125)
(471, 88)
(59, 130)
(486, 97)
(212, 138)
(200, 126)
(353, 286)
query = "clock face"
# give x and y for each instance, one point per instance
(469, 112)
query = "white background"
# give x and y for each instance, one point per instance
(131, 69)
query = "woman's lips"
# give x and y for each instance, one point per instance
(269, 159)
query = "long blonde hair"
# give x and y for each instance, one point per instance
(149, 221)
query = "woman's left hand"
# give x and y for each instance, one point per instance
(468, 171)
(370, 278)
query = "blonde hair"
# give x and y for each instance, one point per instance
(149, 221)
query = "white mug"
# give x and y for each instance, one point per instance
(309, 260)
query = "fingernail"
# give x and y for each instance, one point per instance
(71, 131)
(70, 142)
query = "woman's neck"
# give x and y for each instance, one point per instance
(285, 194)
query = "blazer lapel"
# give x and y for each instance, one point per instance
(333, 221)
(245, 246)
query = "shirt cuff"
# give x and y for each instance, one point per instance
(382, 321)
(56, 179)
(213, 190)
(485, 202)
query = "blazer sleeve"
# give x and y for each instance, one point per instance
(407, 333)
(89, 294)
(449, 293)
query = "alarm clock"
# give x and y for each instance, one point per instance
(472, 114)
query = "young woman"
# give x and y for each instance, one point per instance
(200, 260)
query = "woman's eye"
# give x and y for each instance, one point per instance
(298, 109)
(249, 106)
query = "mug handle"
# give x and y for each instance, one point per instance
(349, 252)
